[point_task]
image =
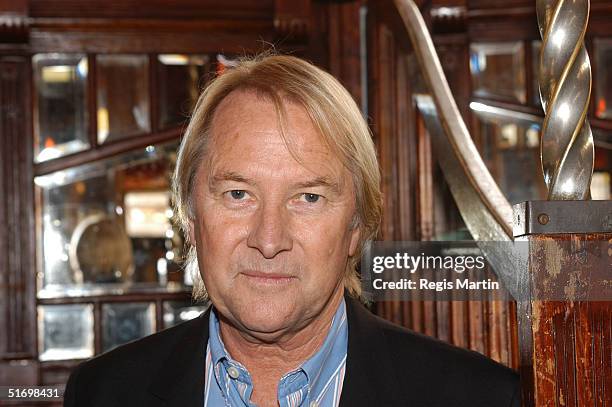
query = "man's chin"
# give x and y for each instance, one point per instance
(265, 328)
(267, 317)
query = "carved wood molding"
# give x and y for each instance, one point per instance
(14, 21)
(17, 263)
(448, 19)
(292, 18)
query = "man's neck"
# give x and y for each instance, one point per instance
(268, 362)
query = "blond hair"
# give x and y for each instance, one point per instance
(334, 114)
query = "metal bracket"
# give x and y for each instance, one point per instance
(553, 217)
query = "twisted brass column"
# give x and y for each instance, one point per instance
(565, 88)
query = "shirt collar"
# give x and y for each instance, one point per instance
(330, 357)
(319, 368)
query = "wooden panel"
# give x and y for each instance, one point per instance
(14, 23)
(454, 55)
(424, 192)
(384, 109)
(292, 17)
(153, 9)
(488, 4)
(18, 372)
(17, 266)
(160, 41)
(417, 202)
(344, 46)
(572, 361)
(566, 347)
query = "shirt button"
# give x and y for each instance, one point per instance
(314, 404)
(233, 372)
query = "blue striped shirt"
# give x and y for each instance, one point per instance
(317, 382)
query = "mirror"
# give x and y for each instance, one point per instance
(498, 70)
(109, 224)
(60, 108)
(122, 83)
(180, 78)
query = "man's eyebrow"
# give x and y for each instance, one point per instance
(228, 176)
(320, 182)
(316, 182)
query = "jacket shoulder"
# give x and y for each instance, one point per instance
(142, 352)
(128, 369)
(452, 375)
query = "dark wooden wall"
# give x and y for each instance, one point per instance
(17, 265)
(182, 26)
(323, 32)
(418, 205)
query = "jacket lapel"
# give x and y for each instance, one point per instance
(180, 382)
(370, 378)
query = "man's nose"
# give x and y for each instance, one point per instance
(270, 234)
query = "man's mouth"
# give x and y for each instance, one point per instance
(262, 277)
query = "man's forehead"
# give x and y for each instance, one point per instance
(247, 111)
(297, 170)
(246, 131)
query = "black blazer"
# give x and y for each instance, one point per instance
(386, 366)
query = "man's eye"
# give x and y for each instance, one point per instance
(237, 194)
(311, 198)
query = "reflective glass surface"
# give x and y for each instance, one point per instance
(108, 224)
(176, 312)
(125, 322)
(180, 78)
(601, 183)
(65, 331)
(536, 46)
(60, 110)
(603, 78)
(498, 70)
(122, 85)
(510, 149)
(600, 186)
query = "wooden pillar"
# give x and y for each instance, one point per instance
(18, 354)
(565, 307)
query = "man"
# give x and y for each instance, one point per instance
(277, 189)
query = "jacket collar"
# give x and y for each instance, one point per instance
(180, 381)
(370, 377)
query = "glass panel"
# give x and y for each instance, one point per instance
(107, 224)
(180, 78)
(536, 46)
(123, 96)
(601, 184)
(60, 113)
(65, 331)
(603, 78)
(125, 322)
(498, 70)
(176, 312)
(510, 149)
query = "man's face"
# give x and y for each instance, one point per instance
(272, 234)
